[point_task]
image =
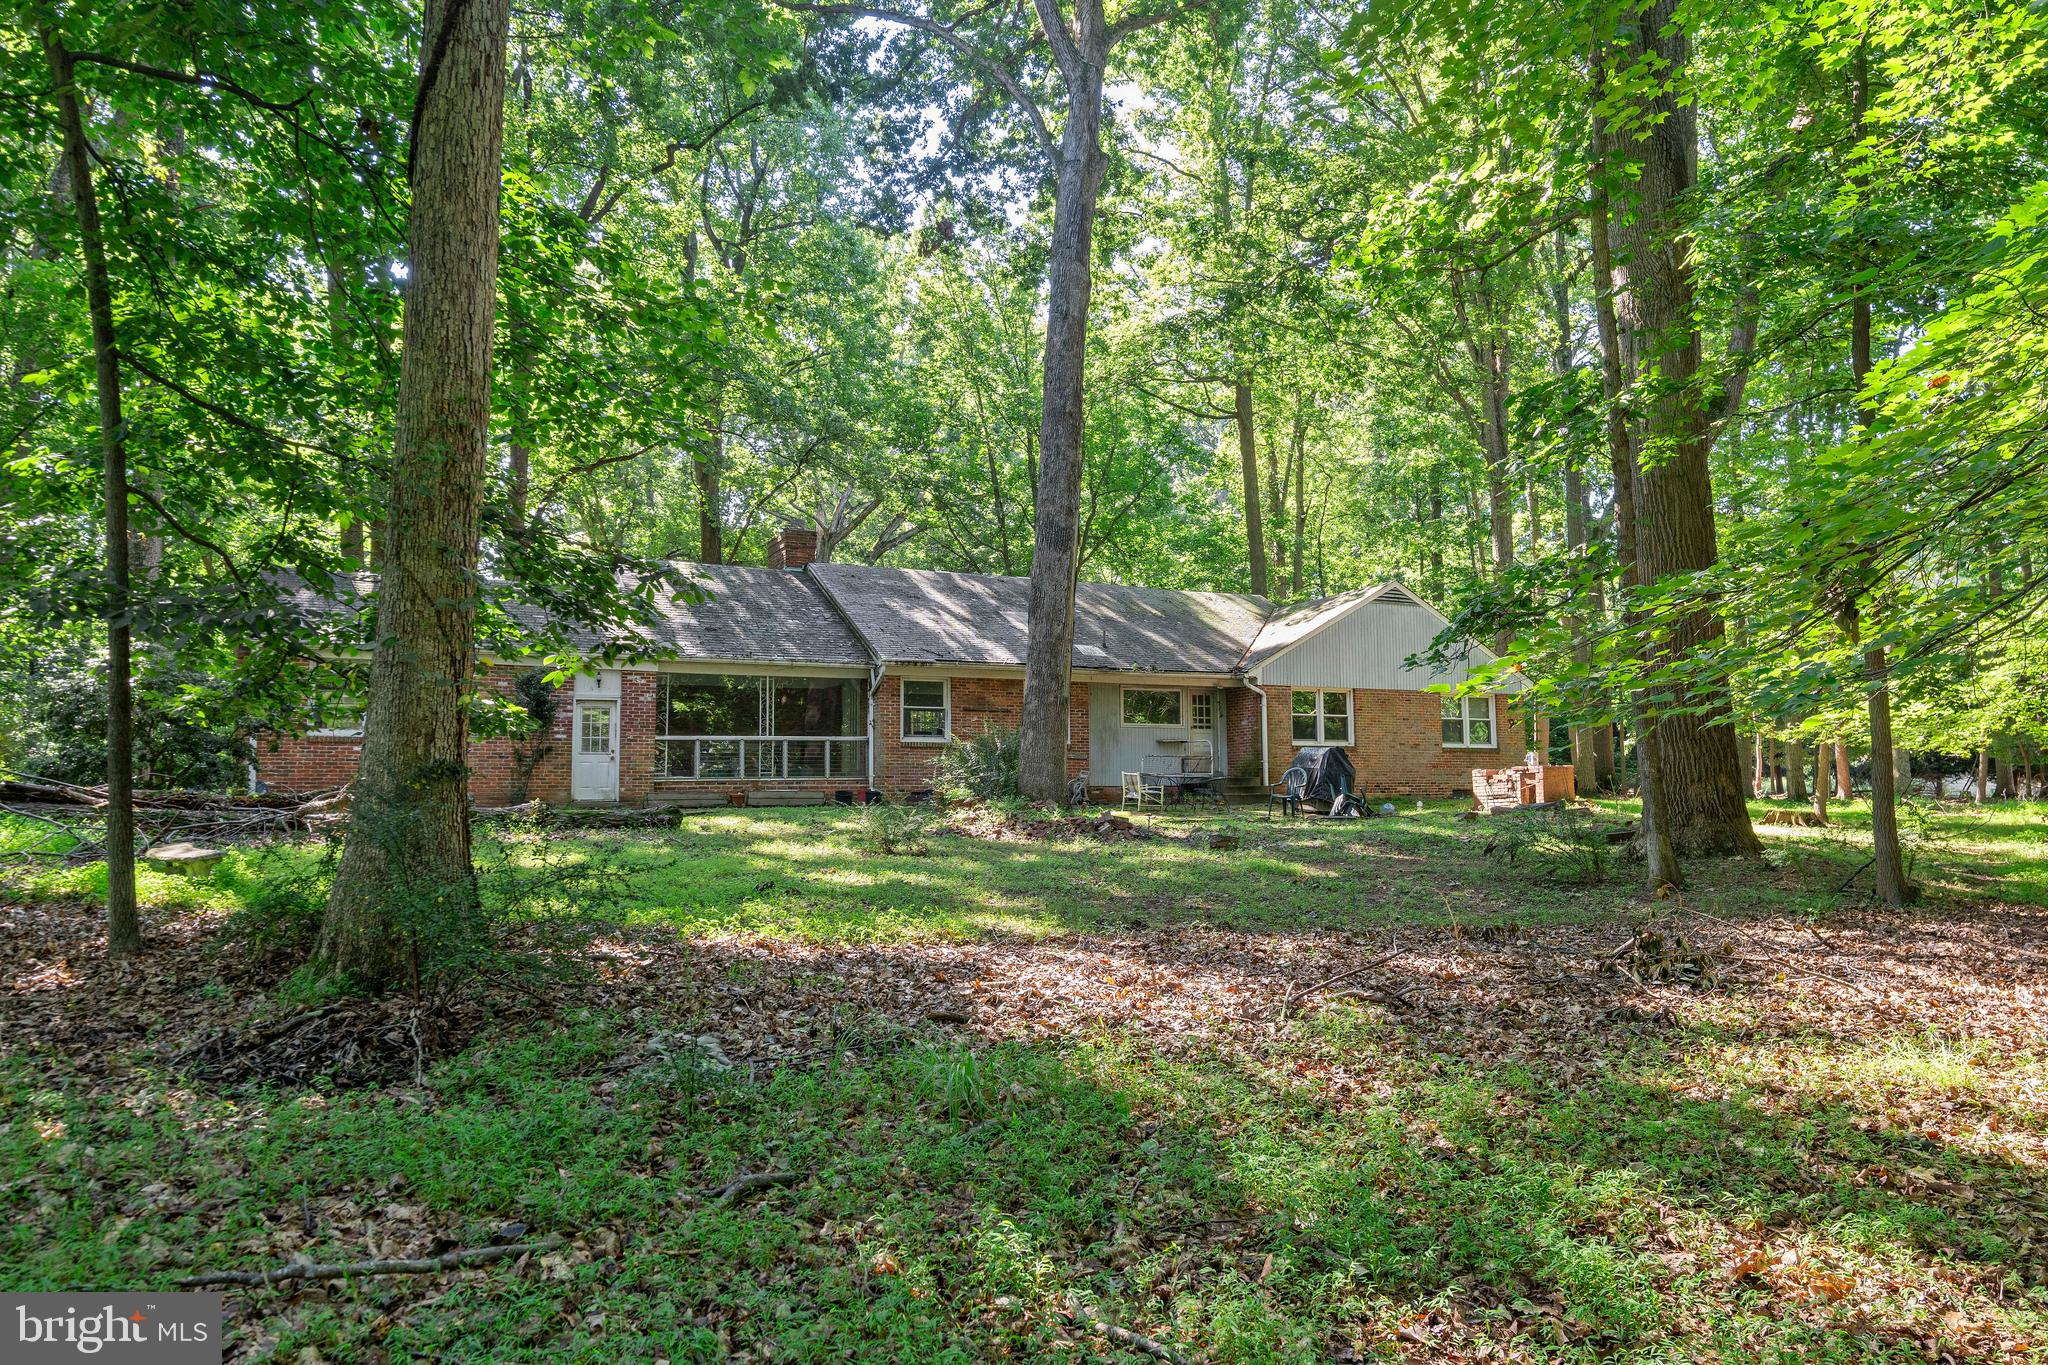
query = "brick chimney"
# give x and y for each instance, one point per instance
(792, 547)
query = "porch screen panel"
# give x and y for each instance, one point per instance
(710, 704)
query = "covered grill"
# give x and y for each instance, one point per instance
(1332, 783)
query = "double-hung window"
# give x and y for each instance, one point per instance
(1321, 717)
(927, 711)
(1468, 722)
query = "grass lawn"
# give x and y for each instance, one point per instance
(1351, 1091)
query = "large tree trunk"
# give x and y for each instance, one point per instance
(1888, 860)
(1248, 459)
(1795, 770)
(1042, 739)
(408, 850)
(124, 926)
(1699, 771)
(1661, 866)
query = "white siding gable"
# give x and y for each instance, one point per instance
(1365, 648)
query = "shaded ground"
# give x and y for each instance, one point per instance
(1346, 1092)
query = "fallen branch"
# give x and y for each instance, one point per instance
(1085, 1316)
(450, 1260)
(754, 1180)
(1294, 997)
(1783, 958)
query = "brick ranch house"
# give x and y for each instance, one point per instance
(803, 678)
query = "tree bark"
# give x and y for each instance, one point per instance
(1661, 866)
(1248, 459)
(1592, 745)
(1300, 495)
(1983, 776)
(1703, 811)
(124, 925)
(1081, 54)
(1888, 859)
(408, 849)
(1820, 781)
(1795, 770)
(1845, 781)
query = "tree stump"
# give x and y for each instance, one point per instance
(1798, 819)
(186, 860)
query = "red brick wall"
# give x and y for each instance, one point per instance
(979, 705)
(1241, 732)
(636, 736)
(502, 772)
(1397, 743)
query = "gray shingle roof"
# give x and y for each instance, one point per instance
(762, 615)
(834, 613)
(925, 616)
(745, 615)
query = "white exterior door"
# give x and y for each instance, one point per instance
(594, 766)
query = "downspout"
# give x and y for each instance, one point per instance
(874, 725)
(1265, 768)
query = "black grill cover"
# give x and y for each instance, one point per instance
(1330, 774)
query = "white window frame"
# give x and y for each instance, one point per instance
(1464, 705)
(1202, 710)
(1323, 717)
(1180, 724)
(904, 709)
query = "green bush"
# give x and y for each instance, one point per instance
(886, 828)
(982, 767)
(1565, 847)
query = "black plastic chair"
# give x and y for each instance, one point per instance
(1287, 795)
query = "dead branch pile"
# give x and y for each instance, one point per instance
(992, 822)
(72, 818)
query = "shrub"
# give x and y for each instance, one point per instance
(1567, 848)
(886, 828)
(533, 906)
(982, 767)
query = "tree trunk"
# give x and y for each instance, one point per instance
(124, 926)
(1845, 781)
(1300, 496)
(1983, 776)
(706, 467)
(1248, 458)
(1704, 812)
(1586, 739)
(1661, 867)
(1042, 738)
(1820, 781)
(1887, 861)
(1436, 526)
(1795, 770)
(407, 859)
